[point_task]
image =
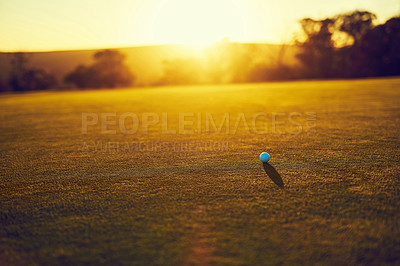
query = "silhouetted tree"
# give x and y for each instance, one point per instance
(352, 58)
(108, 71)
(274, 68)
(318, 48)
(368, 51)
(380, 49)
(391, 44)
(356, 24)
(23, 78)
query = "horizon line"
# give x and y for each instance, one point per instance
(11, 51)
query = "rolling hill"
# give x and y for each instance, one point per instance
(146, 62)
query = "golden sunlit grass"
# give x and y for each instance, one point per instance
(60, 204)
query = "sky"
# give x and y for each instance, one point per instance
(44, 25)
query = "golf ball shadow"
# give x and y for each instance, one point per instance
(273, 174)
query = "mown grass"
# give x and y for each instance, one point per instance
(62, 204)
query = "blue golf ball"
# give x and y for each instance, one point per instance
(264, 157)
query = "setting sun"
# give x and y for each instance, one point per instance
(44, 25)
(198, 22)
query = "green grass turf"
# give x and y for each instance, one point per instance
(62, 204)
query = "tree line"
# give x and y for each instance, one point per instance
(107, 71)
(348, 45)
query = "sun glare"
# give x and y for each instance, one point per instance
(197, 23)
